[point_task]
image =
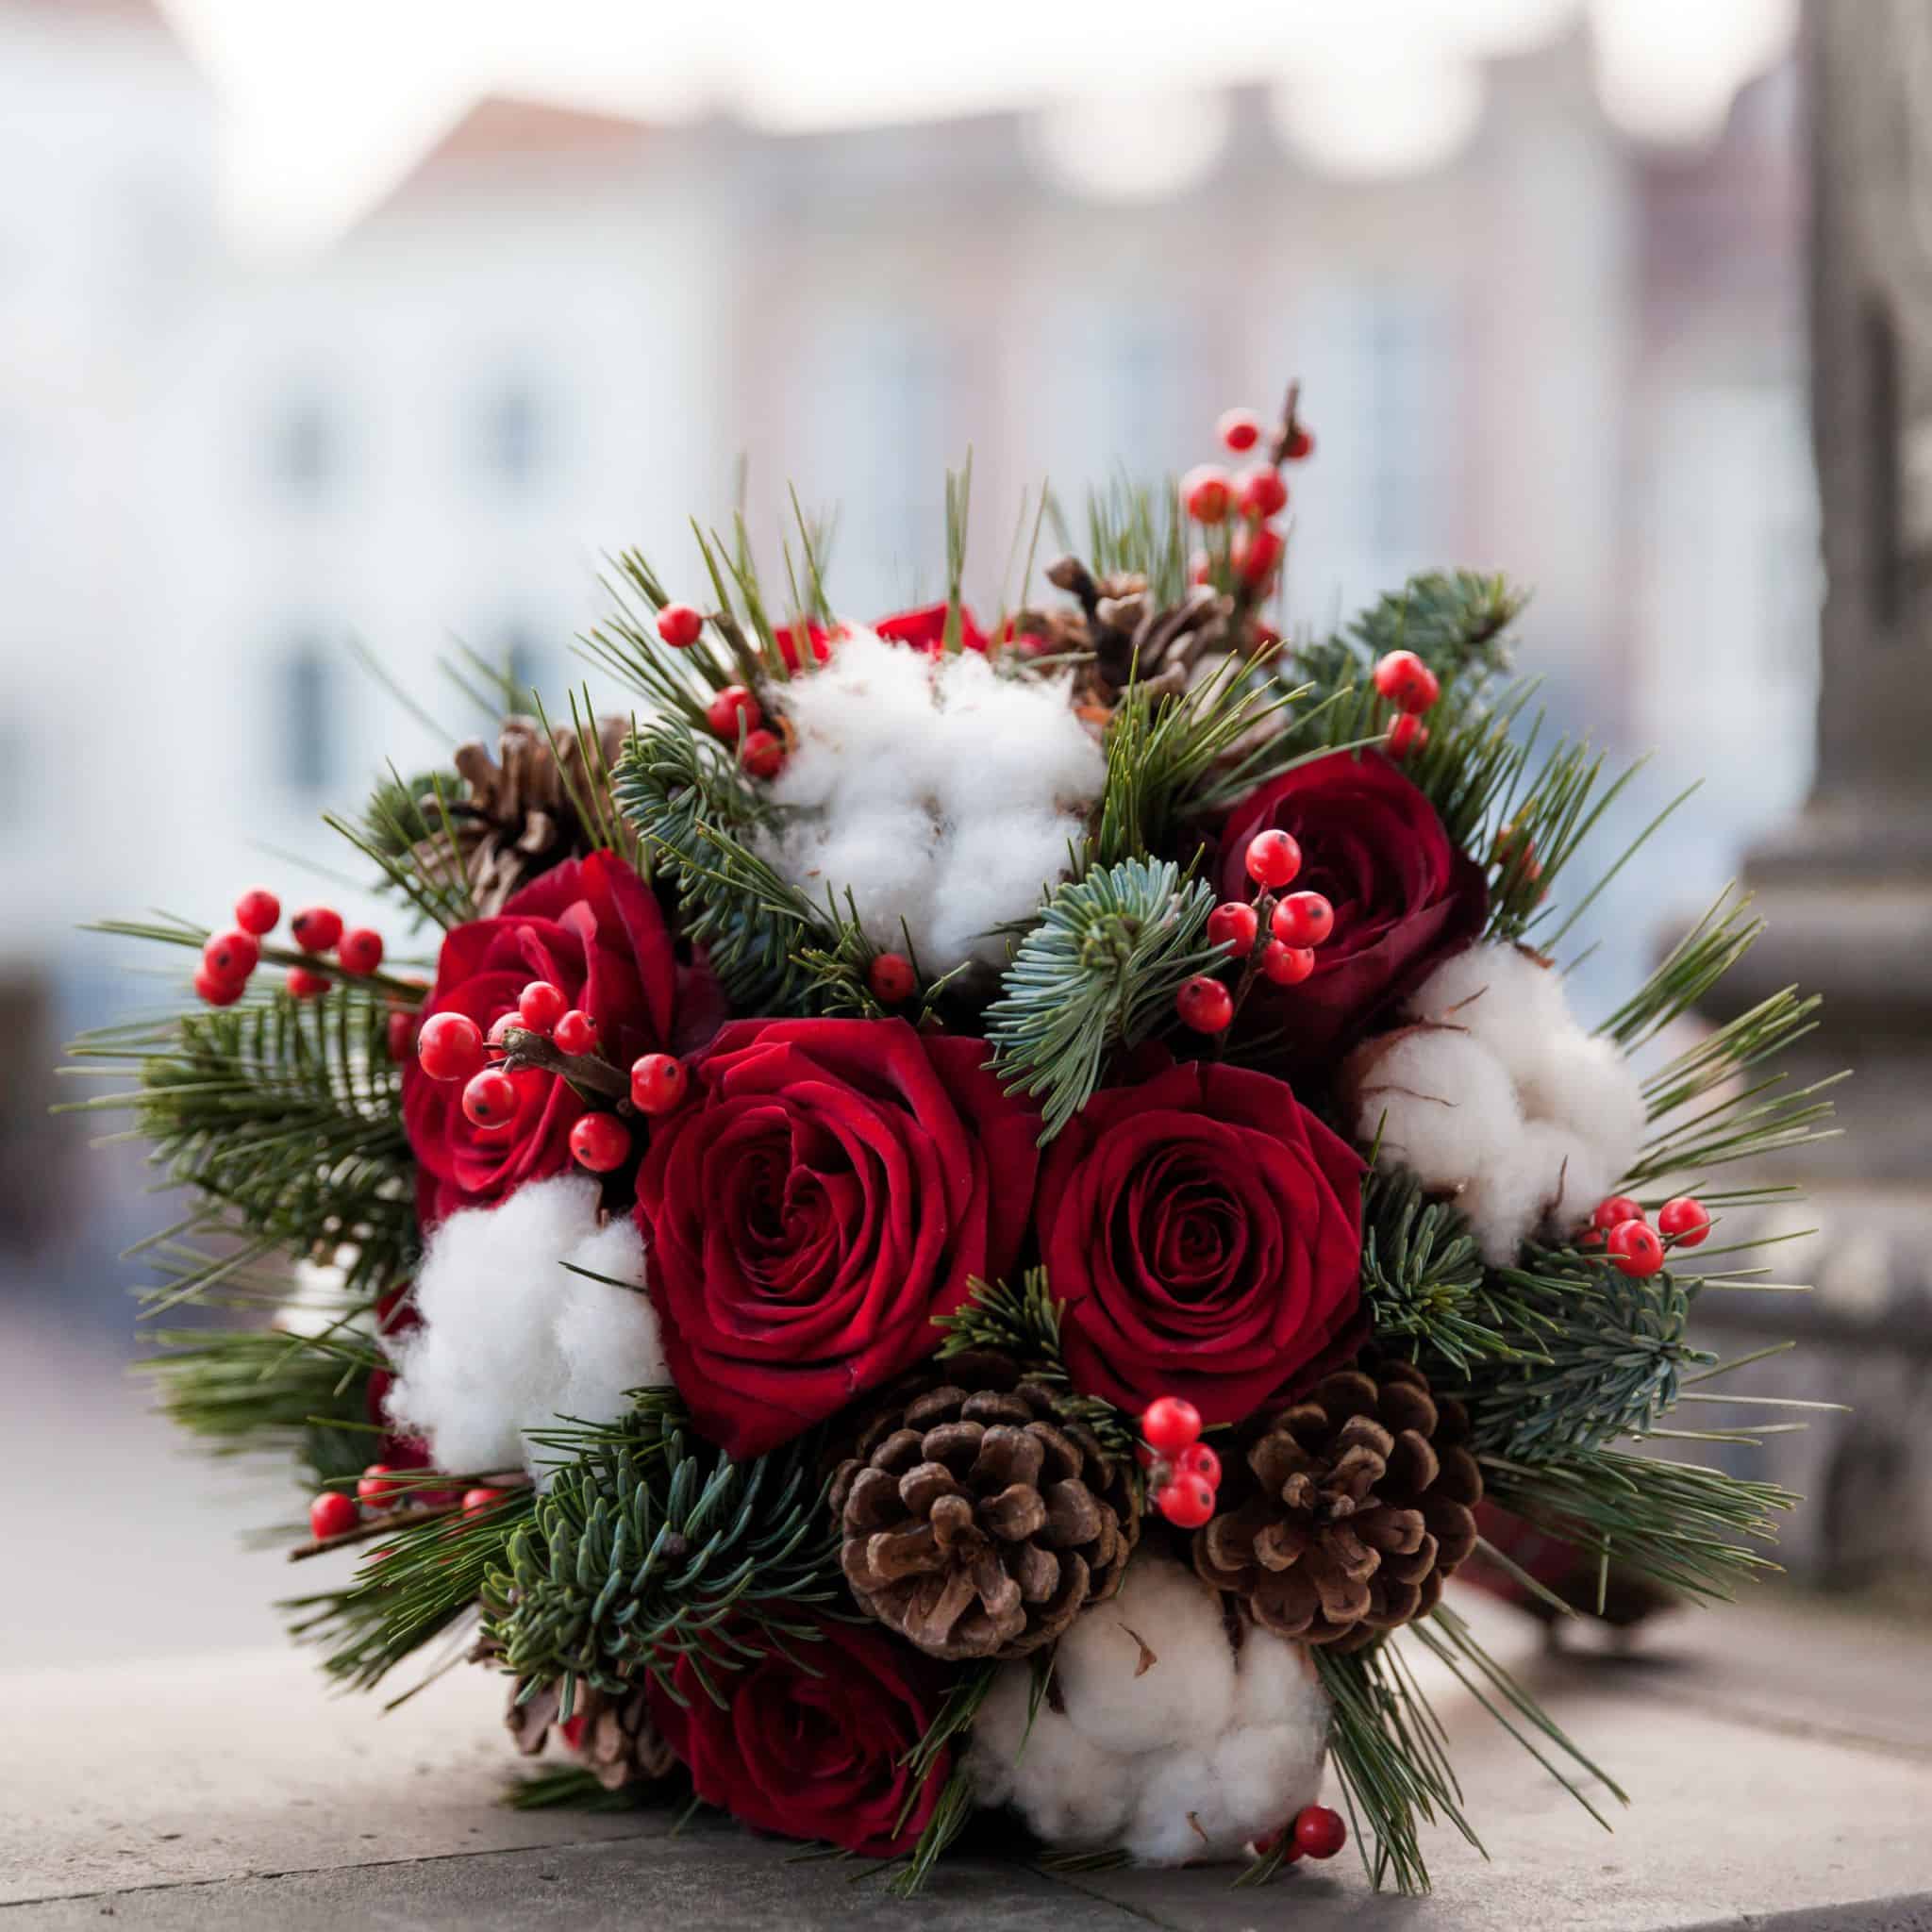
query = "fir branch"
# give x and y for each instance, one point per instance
(1098, 974)
(1601, 1355)
(644, 1545)
(576, 1789)
(1025, 1324)
(771, 949)
(1691, 1529)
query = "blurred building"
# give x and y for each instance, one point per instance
(553, 339)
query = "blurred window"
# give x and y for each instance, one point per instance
(308, 700)
(305, 454)
(531, 664)
(513, 434)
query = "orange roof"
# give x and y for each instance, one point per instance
(499, 129)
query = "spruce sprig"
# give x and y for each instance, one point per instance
(1099, 973)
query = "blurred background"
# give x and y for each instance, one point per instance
(353, 331)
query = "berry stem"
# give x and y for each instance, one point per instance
(382, 1523)
(589, 1073)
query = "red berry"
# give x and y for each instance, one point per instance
(1274, 859)
(1406, 682)
(359, 950)
(231, 955)
(450, 1046)
(892, 978)
(1233, 924)
(490, 1098)
(1303, 919)
(1198, 1459)
(1170, 1423)
(1206, 493)
(332, 1513)
(575, 1032)
(735, 702)
(316, 928)
(256, 911)
(1187, 1501)
(1239, 429)
(541, 1005)
(218, 991)
(399, 1036)
(600, 1142)
(1287, 965)
(762, 754)
(657, 1082)
(678, 625)
(1205, 1004)
(1254, 552)
(380, 1483)
(1300, 444)
(1407, 734)
(1262, 494)
(1615, 1210)
(501, 1029)
(477, 1501)
(1684, 1220)
(1636, 1248)
(305, 985)
(1319, 1831)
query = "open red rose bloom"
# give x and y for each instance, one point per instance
(964, 1215)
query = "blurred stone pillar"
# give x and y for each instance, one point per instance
(1847, 888)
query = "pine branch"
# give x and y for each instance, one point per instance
(1134, 529)
(1691, 1529)
(575, 1789)
(644, 1545)
(284, 1116)
(1098, 974)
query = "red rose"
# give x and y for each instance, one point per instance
(1402, 895)
(925, 630)
(1204, 1231)
(814, 1749)
(786, 637)
(590, 926)
(827, 1189)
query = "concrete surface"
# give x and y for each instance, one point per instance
(1778, 1759)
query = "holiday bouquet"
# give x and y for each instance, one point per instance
(951, 1220)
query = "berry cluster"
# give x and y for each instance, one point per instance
(229, 958)
(735, 713)
(1211, 496)
(1621, 1228)
(1183, 1473)
(1297, 922)
(452, 1046)
(335, 1513)
(1412, 688)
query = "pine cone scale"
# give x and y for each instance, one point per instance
(979, 1519)
(1359, 1508)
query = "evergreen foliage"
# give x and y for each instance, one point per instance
(1099, 973)
(645, 1544)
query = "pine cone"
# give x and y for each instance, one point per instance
(518, 817)
(1362, 1503)
(979, 1517)
(614, 1735)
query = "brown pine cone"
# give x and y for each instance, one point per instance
(1362, 1504)
(614, 1735)
(979, 1518)
(518, 815)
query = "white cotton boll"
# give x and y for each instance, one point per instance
(1439, 1102)
(943, 795)
(511, 1338)
(1584, 1083)
(318, 1302)
(1534, 1185)
(1187, 1691)
(1190, 1756)
(1506, 998)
